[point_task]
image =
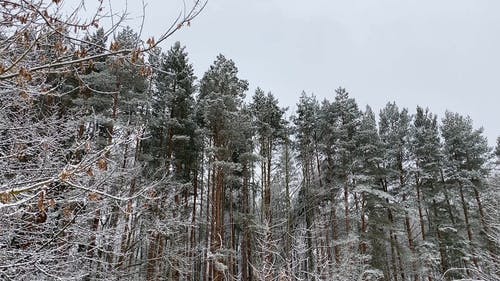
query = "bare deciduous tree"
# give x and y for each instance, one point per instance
(67, 199)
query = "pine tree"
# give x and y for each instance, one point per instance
(393, 128)
(219, 102)
(242, 219)
(172, 123)
(269, 125)
(286, 178)
(95, 44)
(427, 158)
(466, 154)
(306, 133)
(347, 117)
(373, 218)
(172, 148)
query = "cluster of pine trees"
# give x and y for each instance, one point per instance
(127, 169)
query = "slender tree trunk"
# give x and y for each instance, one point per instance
(198, 237)
(162, 240)
(245, 242)
(420, 212)
(486, 229)
(394, 254)
(411, 244)
(448, 204)
(218, 218)
(467, 222)
(328, 248)
(232, 264)
(214, 240)
(93, 238)
(449, 209)
(363, 247)
(309, 240)
(207, 273)
(125, 241)
(346, 207)
(266, 203)
(318, 166)
(442, 247)
(268, 181)
(151, 262)
(480, 207)
(288, 210)
(335, 229)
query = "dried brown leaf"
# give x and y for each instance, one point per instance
(102, 164)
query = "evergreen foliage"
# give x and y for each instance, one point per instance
(130, 170)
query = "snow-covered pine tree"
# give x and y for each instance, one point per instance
(170, 153)
(269, 125)
(394, 133)
(306, 137)
(426, 157)
(219, 103)
(466, 155)
(346, 125)
(373, 218)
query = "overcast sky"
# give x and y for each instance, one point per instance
(444, 54)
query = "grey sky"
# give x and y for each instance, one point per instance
(444, 54)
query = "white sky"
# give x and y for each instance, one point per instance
(444, 54)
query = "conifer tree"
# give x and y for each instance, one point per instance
(369, 151)
(219, 102)
(347, 124)
(393, 128)
(306, 133)
(466, 154)
(171, 150)
(269, 124)
(370, 173)
(172, 123)
(427, 156)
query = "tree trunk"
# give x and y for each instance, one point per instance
(246, 269)
(207, 273)
(442, 247)
(363, 247)
(218, 222)
(420, 212)
(151, 262)
(346, 206)
(232, 264)
(288, 210)
(466, 218)
(480, 207)
(335, 233)
(192, 235)
(411, 244)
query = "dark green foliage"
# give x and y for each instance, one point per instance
(466, 149)
(268, 116)
(306, 124)
(171, 120)
(221, 95)
(394, 132)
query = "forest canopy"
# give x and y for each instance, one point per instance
(118, 163)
